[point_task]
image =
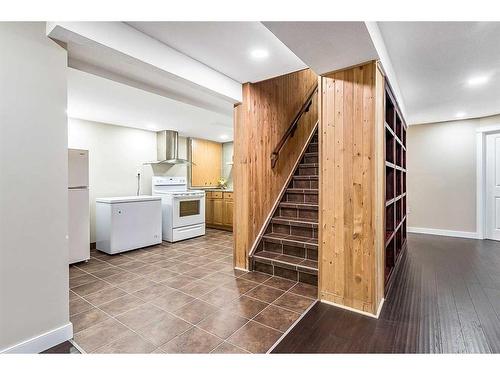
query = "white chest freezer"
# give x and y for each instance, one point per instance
(127, 223)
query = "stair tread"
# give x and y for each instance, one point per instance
(296, 220)
(308, 165)
(310, 206)
(306, 177)
(302, 190)
(291, 238)
(278, 258)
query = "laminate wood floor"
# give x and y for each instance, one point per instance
(445, 299)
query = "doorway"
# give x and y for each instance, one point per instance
(488, 182)
(492, 187)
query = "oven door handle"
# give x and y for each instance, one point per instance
(190, 197)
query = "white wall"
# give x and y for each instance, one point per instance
(116, 154)
(33, 190)
(227, 157)
(442, 174)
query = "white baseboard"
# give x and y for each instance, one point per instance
(42, 342)
(444, 232)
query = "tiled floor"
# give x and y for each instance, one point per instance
(180, 298)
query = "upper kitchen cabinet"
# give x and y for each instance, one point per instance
(207, 160)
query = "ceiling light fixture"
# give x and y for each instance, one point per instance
(460, 114)
(224, 137)
(477, 80)
(259, 54)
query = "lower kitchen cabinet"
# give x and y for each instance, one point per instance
(228, 213)
(209, 210)
(219, 210)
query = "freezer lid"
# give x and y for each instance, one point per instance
(140, 198)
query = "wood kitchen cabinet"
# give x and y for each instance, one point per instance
(228, 210)
(209, 210)
(207, 160)
(219, 210)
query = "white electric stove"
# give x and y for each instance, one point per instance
(183, 210)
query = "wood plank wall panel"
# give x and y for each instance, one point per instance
(348, 189)
(262, 118)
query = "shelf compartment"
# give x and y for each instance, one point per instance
(398, 243)
(398, 126)
(398, 183)
(389, 146)
(390, 112)
(399, 212)
(389, 183)
(389, 259)
(390, 225)
(399, 154)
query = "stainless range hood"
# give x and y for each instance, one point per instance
(167, 148)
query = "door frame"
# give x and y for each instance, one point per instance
(481, 134)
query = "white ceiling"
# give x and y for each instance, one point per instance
(433, 62)
(94, 98)
(326, 46)
(121, 68)
(226, 47)
(119, 52)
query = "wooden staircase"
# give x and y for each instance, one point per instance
(289, 246)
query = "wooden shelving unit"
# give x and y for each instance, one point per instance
(395, 185)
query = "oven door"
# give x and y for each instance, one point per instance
(188, 210)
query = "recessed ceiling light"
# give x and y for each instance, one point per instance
(224, 137)
(460, 114)
(259, 53)
(477, 80)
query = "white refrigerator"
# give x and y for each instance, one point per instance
(78, 206)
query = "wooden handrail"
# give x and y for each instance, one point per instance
(293, 126)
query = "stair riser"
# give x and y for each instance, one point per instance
(301, 198)
(294, 251)
(304, 184)
(307, 171)
(312, 148)
(285, 273)
(298, 213)
(292, 230)
(310, 159)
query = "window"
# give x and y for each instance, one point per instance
(189, 208)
